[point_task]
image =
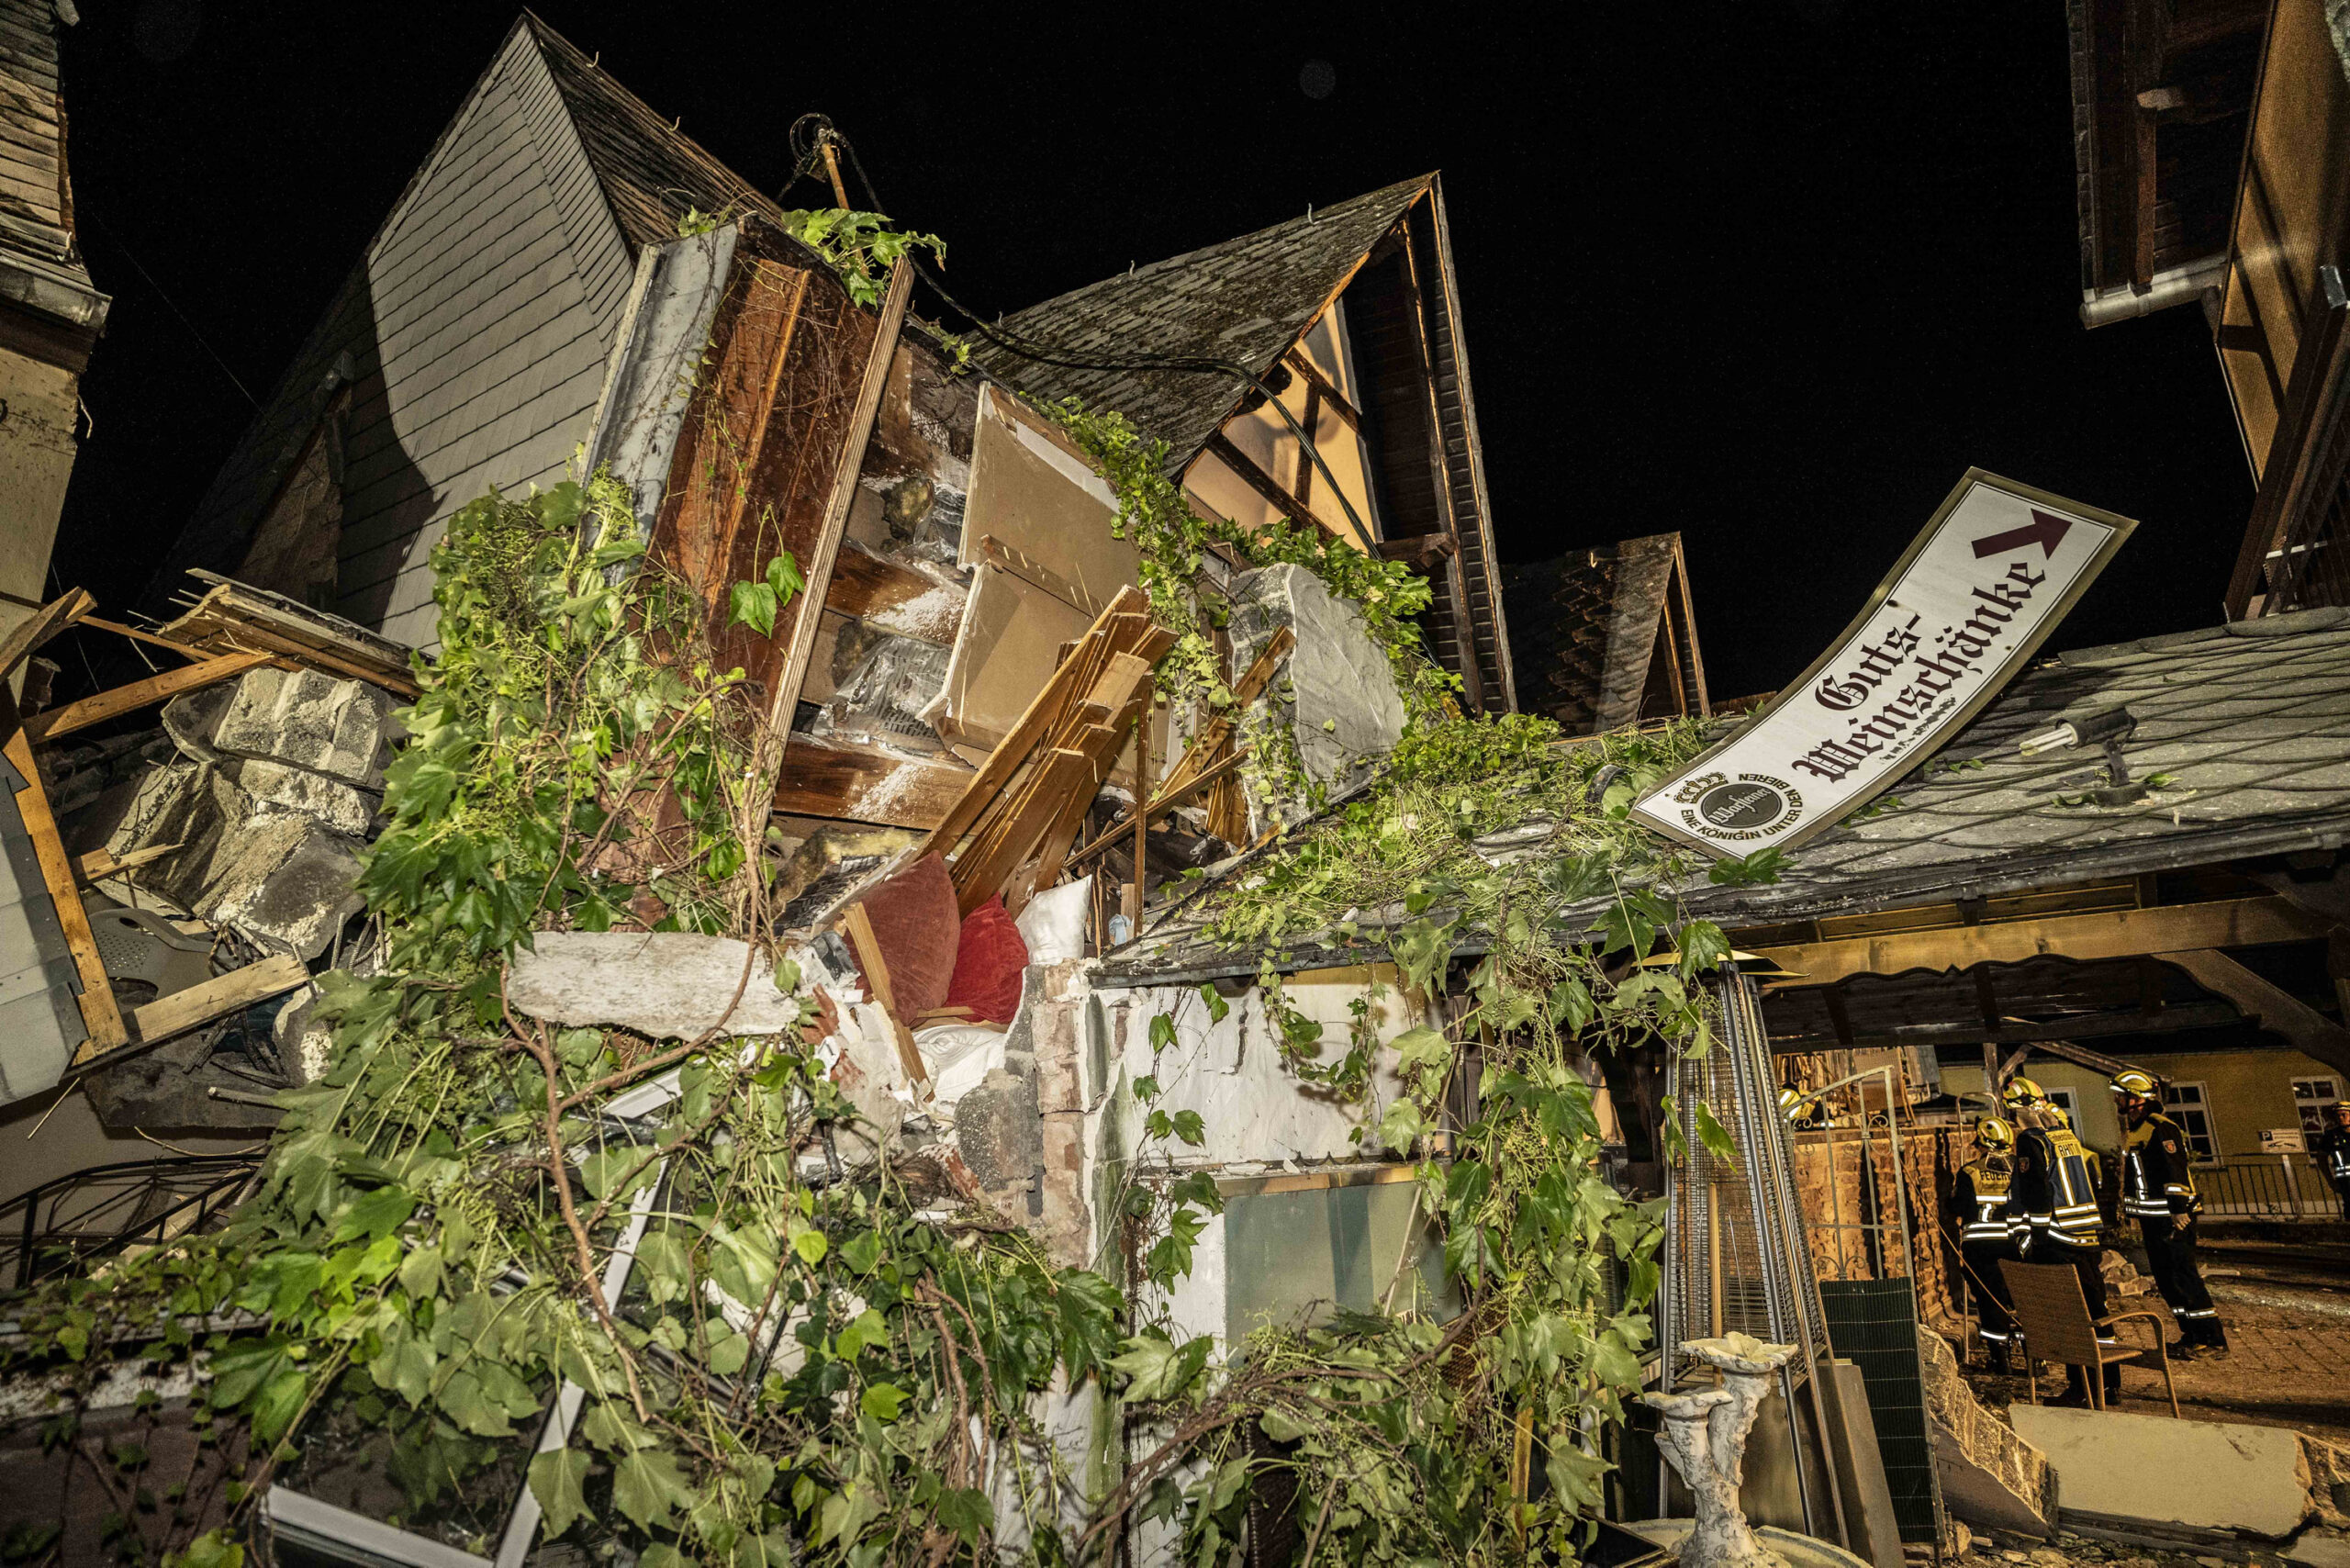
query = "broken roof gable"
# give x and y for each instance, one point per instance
(1246, 300)
(651, 173)
(1585, 630)
(474, 333)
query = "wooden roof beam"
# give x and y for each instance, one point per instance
(2107, 933)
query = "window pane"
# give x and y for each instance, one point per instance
(1290, 1258)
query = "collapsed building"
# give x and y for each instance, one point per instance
(570, 287)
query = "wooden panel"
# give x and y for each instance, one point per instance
(892, 598)
(860, 784)
(768, 451)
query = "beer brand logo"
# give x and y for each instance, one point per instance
(1752, 805)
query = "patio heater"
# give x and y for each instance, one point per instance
(1734, 1259)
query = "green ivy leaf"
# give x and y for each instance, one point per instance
(647, 1484)
(1217, 1006)
(783, 576)
(1158, 1368)
(375, 1214)
(861, 1252)
(558, 1479)
(753, 605)
(880, 1401)
(808, 1242)
(1191, 1128)
(1713, 1135)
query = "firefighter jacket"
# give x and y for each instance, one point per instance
(2332, 1152)
(2054, 1193)
(1979, 1200)
(2156, 1182)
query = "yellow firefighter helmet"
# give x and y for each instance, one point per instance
(1993, 1133)
(1791, 1103)
(2022, 1091)
(2136, 1085)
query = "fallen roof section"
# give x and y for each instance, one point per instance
(42, 273)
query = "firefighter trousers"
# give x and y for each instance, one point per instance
(1990, 1286)
(2342, 1190)
(2170, 1258)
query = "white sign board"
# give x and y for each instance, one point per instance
(1990, 576)
(2283, 1141)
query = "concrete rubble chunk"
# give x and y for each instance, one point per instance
(667, 984)
(1335, 689)
(2158, 1471)
(1990, 1475)
(285, 879)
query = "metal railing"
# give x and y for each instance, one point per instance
(2266, 1186)
(65, 1222)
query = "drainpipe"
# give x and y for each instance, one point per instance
(2178, 286)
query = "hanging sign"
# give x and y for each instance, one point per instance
(1960, 613)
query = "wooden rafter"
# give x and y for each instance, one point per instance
(128, 699)
(1277, 494)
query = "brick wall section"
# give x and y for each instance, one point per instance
(1864, 1192)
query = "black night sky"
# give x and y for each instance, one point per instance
(1769, 272)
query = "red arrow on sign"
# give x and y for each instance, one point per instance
(2046, 530)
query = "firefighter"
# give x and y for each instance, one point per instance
(2053, 1192)
(1988, 1234)
(2332, 1151)
(2158, 1191)
(1804, 1113)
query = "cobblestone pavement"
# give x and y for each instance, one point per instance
(2284, 1368)
(2068, 1550)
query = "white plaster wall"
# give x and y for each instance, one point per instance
(36, 449)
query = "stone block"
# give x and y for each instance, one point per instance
(667, 984)
(2313, 1549)
(1990, 1475)
(1003, 1141)
(2158, 1471)
(1335, 692)
(313, 721)
(1066, 1223)
(331, 802)
(1054, 1034)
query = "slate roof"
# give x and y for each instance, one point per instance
(40, 263)
(1246, 300)
(2251, 719)
(473, 335)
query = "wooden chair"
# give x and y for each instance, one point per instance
(2054, 1317)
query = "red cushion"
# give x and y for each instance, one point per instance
(917, 928)
(987, 963)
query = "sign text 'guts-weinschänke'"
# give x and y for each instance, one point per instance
(1990, 576)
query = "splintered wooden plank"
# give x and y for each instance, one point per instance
(41, 626)
(1122, 675)
(857, 926)
(100, 1016)
(1207, 751)
(1166, 801)
(1006, 759)
(1062, 773)
(215, 998)
(128, 699)
(824, 778)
